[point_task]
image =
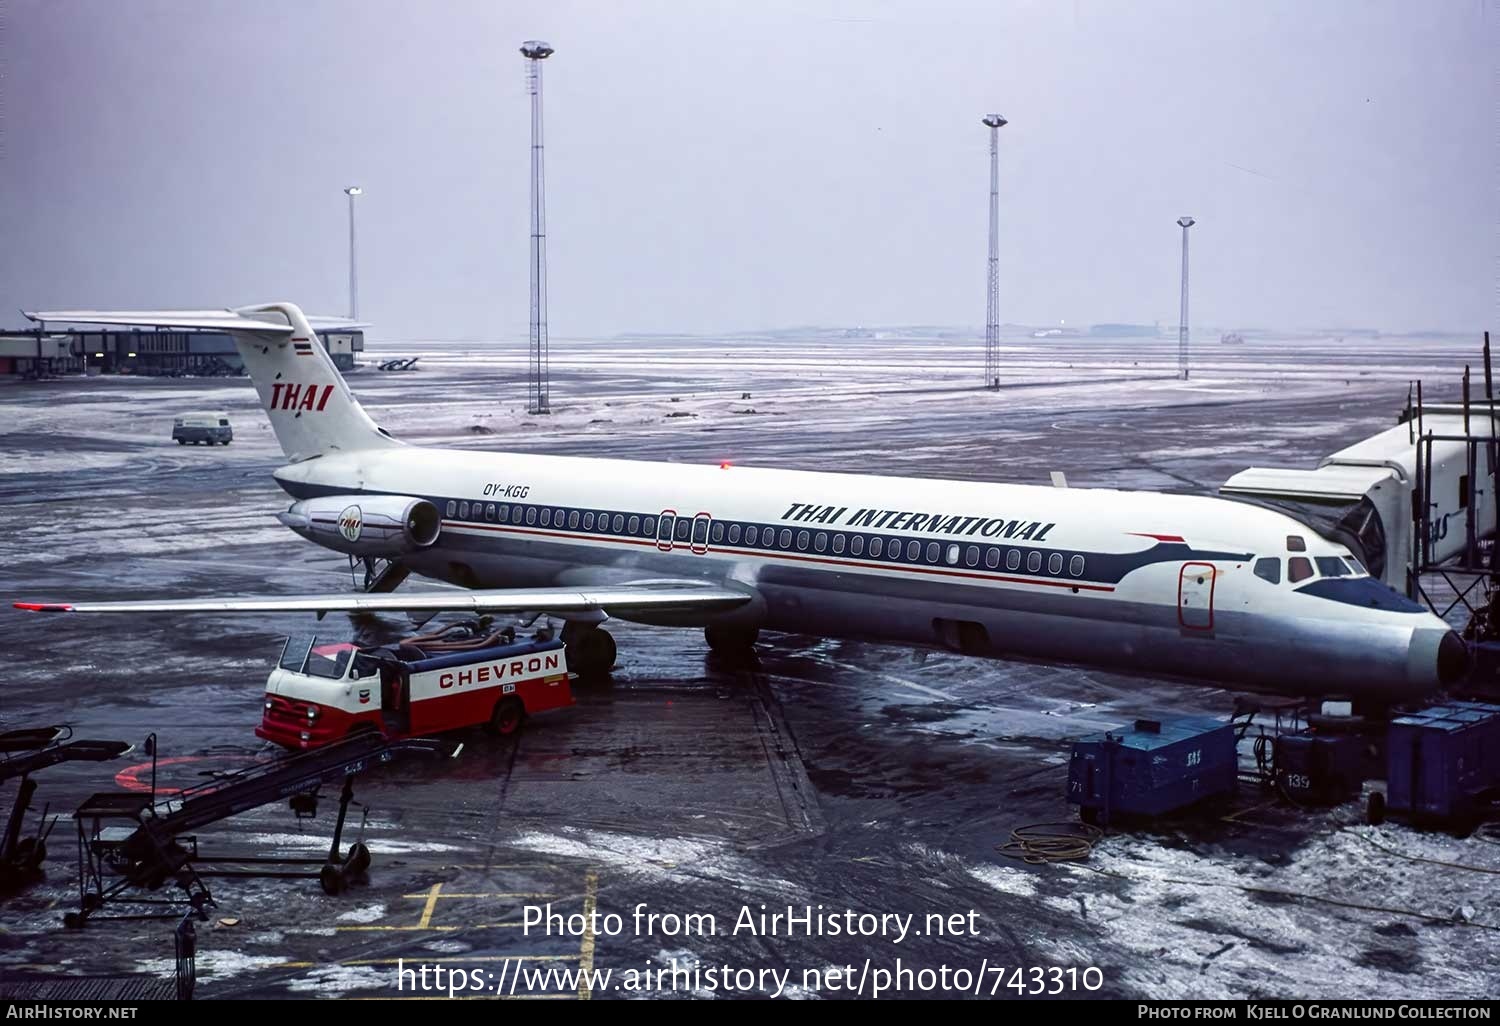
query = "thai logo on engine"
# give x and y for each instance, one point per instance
(350, 523)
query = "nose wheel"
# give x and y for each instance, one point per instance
(590, 650)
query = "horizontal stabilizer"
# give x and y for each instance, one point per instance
(215, 320)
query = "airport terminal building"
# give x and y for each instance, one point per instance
(44, 353)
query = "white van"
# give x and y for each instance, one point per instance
(211, 427)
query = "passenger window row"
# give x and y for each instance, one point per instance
(769, 537)
(595, 521)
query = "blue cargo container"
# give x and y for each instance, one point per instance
(1441, 761)
(1151, 768)
(1320, 768)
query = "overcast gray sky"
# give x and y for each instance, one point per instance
(720, 166)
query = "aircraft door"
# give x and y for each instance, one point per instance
(1195, 596)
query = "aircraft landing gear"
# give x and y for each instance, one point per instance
(591, 650)
(731, 641)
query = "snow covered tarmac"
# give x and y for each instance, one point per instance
(841, 774)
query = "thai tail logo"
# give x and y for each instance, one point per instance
(350, 523)
(289, 396)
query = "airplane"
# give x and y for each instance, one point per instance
(1202, 589)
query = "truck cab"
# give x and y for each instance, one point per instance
(322, 690)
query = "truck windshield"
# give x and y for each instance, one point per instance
(366, 665)
(329, 660)
(294, 655)
(305, 653)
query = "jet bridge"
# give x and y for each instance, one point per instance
(1417, 498)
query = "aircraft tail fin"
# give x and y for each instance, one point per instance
(311, 408)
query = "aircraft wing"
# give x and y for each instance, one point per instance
(619, 600)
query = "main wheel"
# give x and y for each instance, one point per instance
(358, 858)
(508, 716)
(591, 652)
(728, 640)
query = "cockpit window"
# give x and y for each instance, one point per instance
(1268, 569)
(1298, 568)
(1295, 543)
(1331, 566)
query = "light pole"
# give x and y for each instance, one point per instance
(992, 301)
(1182, 323)
(540, 399)
(353, 191)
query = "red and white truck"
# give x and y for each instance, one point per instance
(322, 691)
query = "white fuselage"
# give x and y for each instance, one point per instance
(1138, 582)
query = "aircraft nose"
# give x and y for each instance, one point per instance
(1437, 656)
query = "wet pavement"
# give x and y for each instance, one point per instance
(851, 776)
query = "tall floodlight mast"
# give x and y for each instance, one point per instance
(992, 300)
(353, 191)
(1182, 321)
(539, 398)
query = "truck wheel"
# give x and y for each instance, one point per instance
(731, 641)
(591, 652)
(182, 441)
(508, 717)
(1375, 809)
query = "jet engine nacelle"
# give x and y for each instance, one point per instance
(366, 525)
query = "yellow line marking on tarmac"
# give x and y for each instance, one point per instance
(464, 997)
(586, 949)
(516, 865)
(464, 959)
(419, 927)
(432, 897)
(1234, 817)
(421, 960)
(491, 894)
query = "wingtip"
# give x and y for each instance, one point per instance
(44, 607)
